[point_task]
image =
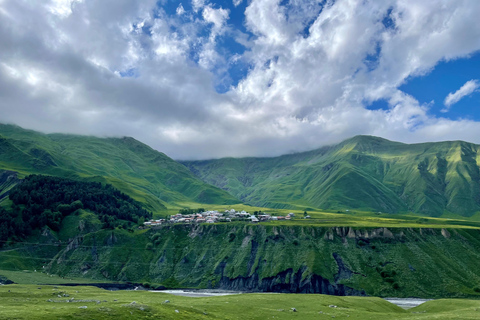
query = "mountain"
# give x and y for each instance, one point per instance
(132, 167)
(363, 173)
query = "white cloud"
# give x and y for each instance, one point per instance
(198, 4)
(180, 10)
(128, 68)
(236, 3)
(62, 8)
(467, 89)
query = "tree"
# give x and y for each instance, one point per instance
(305, 213)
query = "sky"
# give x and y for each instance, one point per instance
(201, 79)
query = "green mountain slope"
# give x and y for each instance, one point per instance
(395, 262)
(365, 173)
(134, 168)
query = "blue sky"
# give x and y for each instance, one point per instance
(201, 79)
(446, 77)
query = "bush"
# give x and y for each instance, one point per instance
(476, 289)
(231, 237)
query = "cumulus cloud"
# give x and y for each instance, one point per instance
(467, 89)
(311, 68)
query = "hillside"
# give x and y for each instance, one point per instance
(388, 262)
(364, 173)
(134, 168)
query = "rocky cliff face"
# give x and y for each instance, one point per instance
(341, 261)
(288, 281)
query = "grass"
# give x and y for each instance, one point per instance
(352, 218)
(48, 302)
(38, 277)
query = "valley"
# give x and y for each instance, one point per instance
(367, 218)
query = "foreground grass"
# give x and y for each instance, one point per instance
(51, 302)
(33, 277)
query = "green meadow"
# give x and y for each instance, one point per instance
(57, 302)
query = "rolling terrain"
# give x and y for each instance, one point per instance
(61, 226)
(45, 302)
(362, 173)
(134, 168)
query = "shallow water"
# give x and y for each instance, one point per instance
(198, 293)
(407, 303)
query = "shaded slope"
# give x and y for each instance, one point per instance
(147, 175)
(396, 262)
(364, 172)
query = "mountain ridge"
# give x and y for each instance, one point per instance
(363, 172)
(147, 175)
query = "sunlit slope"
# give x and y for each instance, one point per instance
(364, 172)
(136, 169)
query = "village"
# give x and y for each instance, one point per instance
(215, 216)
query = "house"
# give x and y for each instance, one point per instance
(253, 218)
(273, 218)
(210, 221)
(291, 214)
(281, 218)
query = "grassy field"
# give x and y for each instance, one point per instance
(37, 277)
(351, 218)
(52, 302)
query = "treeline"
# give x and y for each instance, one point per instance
(191, 211)
(44, 200)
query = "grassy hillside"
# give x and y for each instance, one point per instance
(363, 173)
(43, 302)
(400, 262)
(134, 168)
